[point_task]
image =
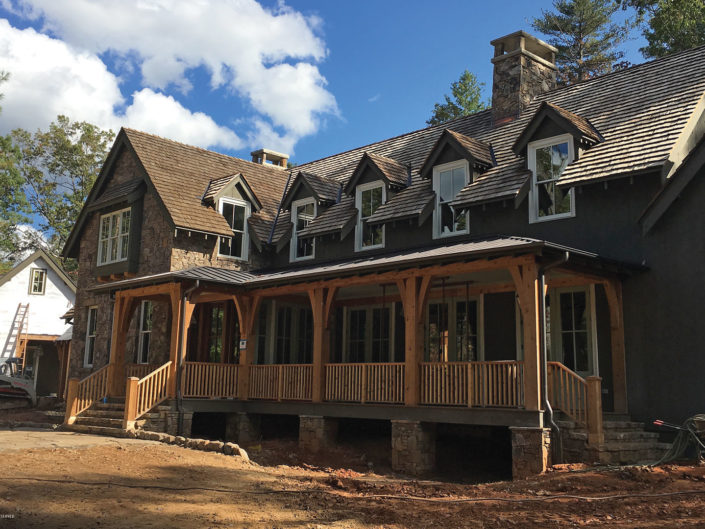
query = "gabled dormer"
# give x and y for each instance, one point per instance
(375, 179)
(453, 163)
(307, 197)
(552, 140)
(233, 198)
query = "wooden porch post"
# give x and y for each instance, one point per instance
(176, 302)
(596, 434)
(526, 281)
(613, 291)
(122, 316)
(321, 302)
(247, 306)
(413, 292)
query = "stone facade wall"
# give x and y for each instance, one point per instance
(516, 81)
(531, 451)
(197, 250)
(413, 447)
(155, 249)
(317, 433)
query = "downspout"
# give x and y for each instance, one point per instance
(180, 365)
(543, 352)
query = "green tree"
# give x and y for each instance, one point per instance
(59, 168)
(13, 201)
(669, 25)
(466, 99)
(585, 36)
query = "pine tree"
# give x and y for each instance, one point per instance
(466, 100)
(585, 36)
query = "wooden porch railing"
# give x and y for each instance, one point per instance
(143, 394)
(381, 383)
(82, 394)
(490, 384)
(139, 370)
(204, 379)
(567, 391)
(281, 382)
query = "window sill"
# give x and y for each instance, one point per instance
(447, 235)
(366, 248)
(299, 259)
(232, 258)
(552, 217)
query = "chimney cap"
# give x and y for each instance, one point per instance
(523, 42)
(262, 156)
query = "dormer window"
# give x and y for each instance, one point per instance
(547, 161)
(368, 197)
(302, 213)
(114, 237)
(236, 213)
(448, 180)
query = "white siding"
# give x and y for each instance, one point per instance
(45, 310)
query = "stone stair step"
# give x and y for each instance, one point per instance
(109, 406)
(109, 414)
(96, 430)
(99, 421)
(626, 435)
(623, 425)
(619, 446)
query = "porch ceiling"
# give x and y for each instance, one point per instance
(421, 257)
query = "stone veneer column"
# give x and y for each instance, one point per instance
(531, 451)
(413, 447)
(317, 433)
(242, 427)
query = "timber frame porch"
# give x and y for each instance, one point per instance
(505, 392)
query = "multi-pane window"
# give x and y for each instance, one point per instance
(448, 180)
(91, 326)
(145, 332)
(303, 212)
(369, 334)
(452, 331)
(236, 213)
(38, 279)
(548, 160)
(114, 237)
(368, 198)
(294, 335)
(574, 333)
(283, 342)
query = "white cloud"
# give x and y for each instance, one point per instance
(267, 56)
(374, 98)
(48, 77)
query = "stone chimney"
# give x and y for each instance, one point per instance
(524, 67)
(269, 157)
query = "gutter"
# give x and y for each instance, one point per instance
(543, 353)
(180, 365)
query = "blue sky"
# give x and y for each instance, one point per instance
(309, 77)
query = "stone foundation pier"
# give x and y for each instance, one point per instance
(531, 451)
(242, 428)
(317, 433)
(413, 447)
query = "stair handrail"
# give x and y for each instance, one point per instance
(143, 394)
(82, 394)
(589, 392)
(571, 393)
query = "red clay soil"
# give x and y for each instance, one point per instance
(155, 485)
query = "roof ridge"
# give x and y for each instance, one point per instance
(195, 147)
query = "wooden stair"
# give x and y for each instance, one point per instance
(626, 443)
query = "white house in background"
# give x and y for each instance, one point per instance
(34, 296)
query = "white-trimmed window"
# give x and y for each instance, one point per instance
(368, 197)
(572, 329)
(547, 161)
(91, 326)
(145, 333)
(369, 334)
(302, 213)
(448, 180)
(114, 237)
(236, 212)
(38, 281)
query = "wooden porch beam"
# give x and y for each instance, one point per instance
(527, 288)
(613, 292)
(247, 307)
(151, 290)
(396, 275)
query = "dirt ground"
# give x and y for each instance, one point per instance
(64, 480)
